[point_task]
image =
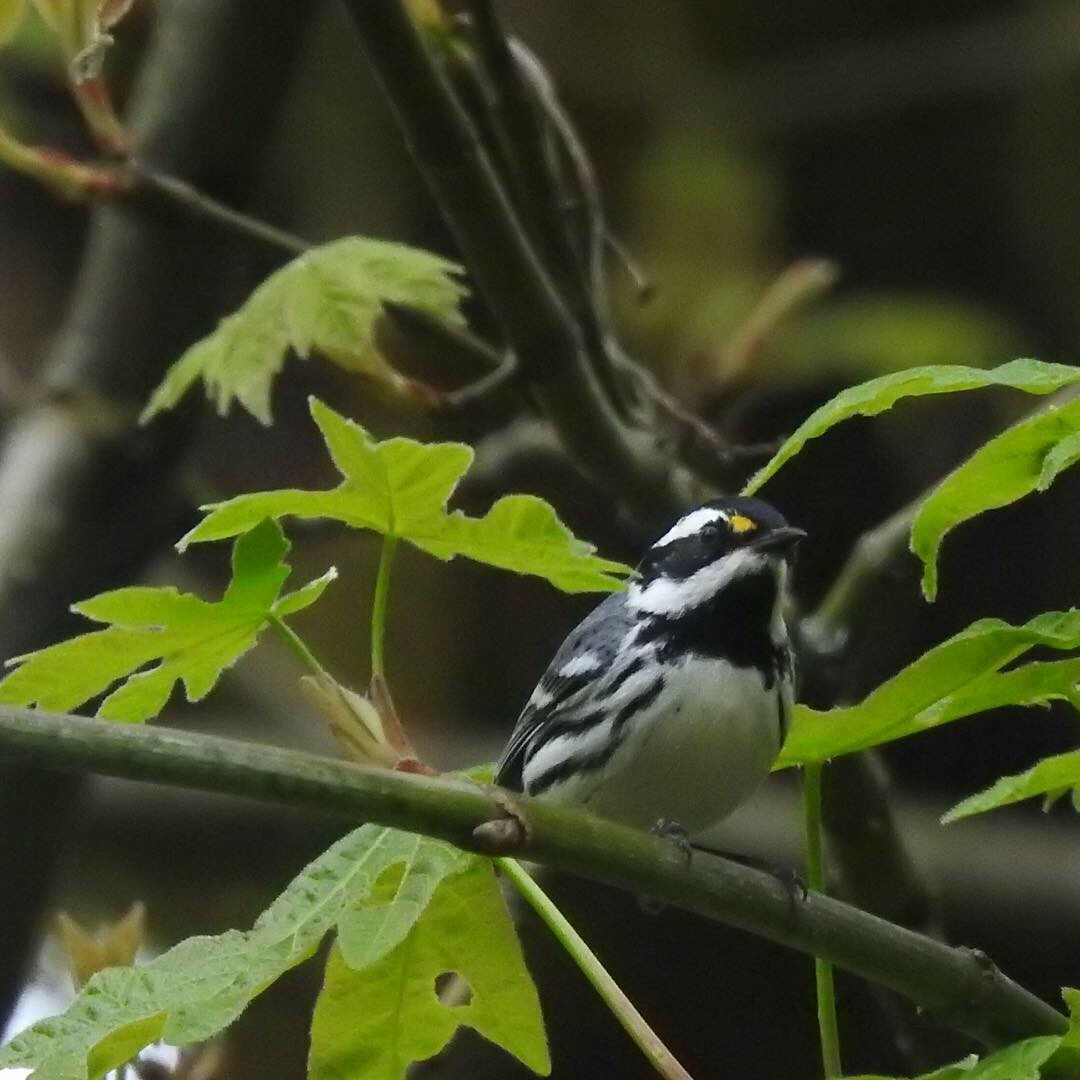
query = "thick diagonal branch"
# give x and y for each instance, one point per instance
(547, 341)
(959, 986)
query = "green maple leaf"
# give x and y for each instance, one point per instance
(1027, 457)
(192, 640)
(966, 675)
(1052, 777)
(879, 395)
(375, 885)
(400, 488)
(375, 1017)
(326, 301)
(1020, 1061)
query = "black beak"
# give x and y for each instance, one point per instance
(781, 540)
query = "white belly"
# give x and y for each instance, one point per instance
(694, 756)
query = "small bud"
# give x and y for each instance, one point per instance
(367, 727)
(113, 946)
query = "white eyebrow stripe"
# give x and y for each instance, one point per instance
(693, 523)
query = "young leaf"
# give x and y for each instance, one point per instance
(1066, 1059)
(326, 301)
(366, 725)
(200, 986)
(1060, 457)
(524, 534)
(193, 640)
(114, 946)
(878, 395)
(1025, 458)
(1050, 777)
(961, 1070)
(960, 677)
(373, 1019)
(1020, 1061)
(400, 487)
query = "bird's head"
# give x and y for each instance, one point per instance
(712, 547)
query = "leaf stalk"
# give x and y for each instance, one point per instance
(379, 606)
(613, 996)
(828, 1029)
(296, 645)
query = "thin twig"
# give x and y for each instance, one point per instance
(798, 286)
(954, 983)
(152, 186)
(643, 285)
(547, 174)
(460, 355)
(579, 216)
(582, 204)
(695, 441)
(481, 391)
(517, 116)
(550, 300)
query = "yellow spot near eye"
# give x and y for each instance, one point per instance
(741, 524)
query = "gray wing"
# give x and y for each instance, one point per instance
(566, 692)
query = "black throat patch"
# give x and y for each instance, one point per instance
(733, 625)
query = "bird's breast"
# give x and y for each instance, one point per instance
(699, 750)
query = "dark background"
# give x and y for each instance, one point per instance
(933, 152)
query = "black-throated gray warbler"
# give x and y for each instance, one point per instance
(671, 699)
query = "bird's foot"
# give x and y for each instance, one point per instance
(674, 832)
(788, 876)
(794, 886)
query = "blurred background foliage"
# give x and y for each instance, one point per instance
(931, 153)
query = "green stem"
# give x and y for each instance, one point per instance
(378, 608)
(823, 972)
(609, 990)
(146, 184)
(296, 644)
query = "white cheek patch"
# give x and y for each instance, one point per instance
(690, 525)
(669, 596)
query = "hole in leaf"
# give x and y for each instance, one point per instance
(385, 886)
(452, 989)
